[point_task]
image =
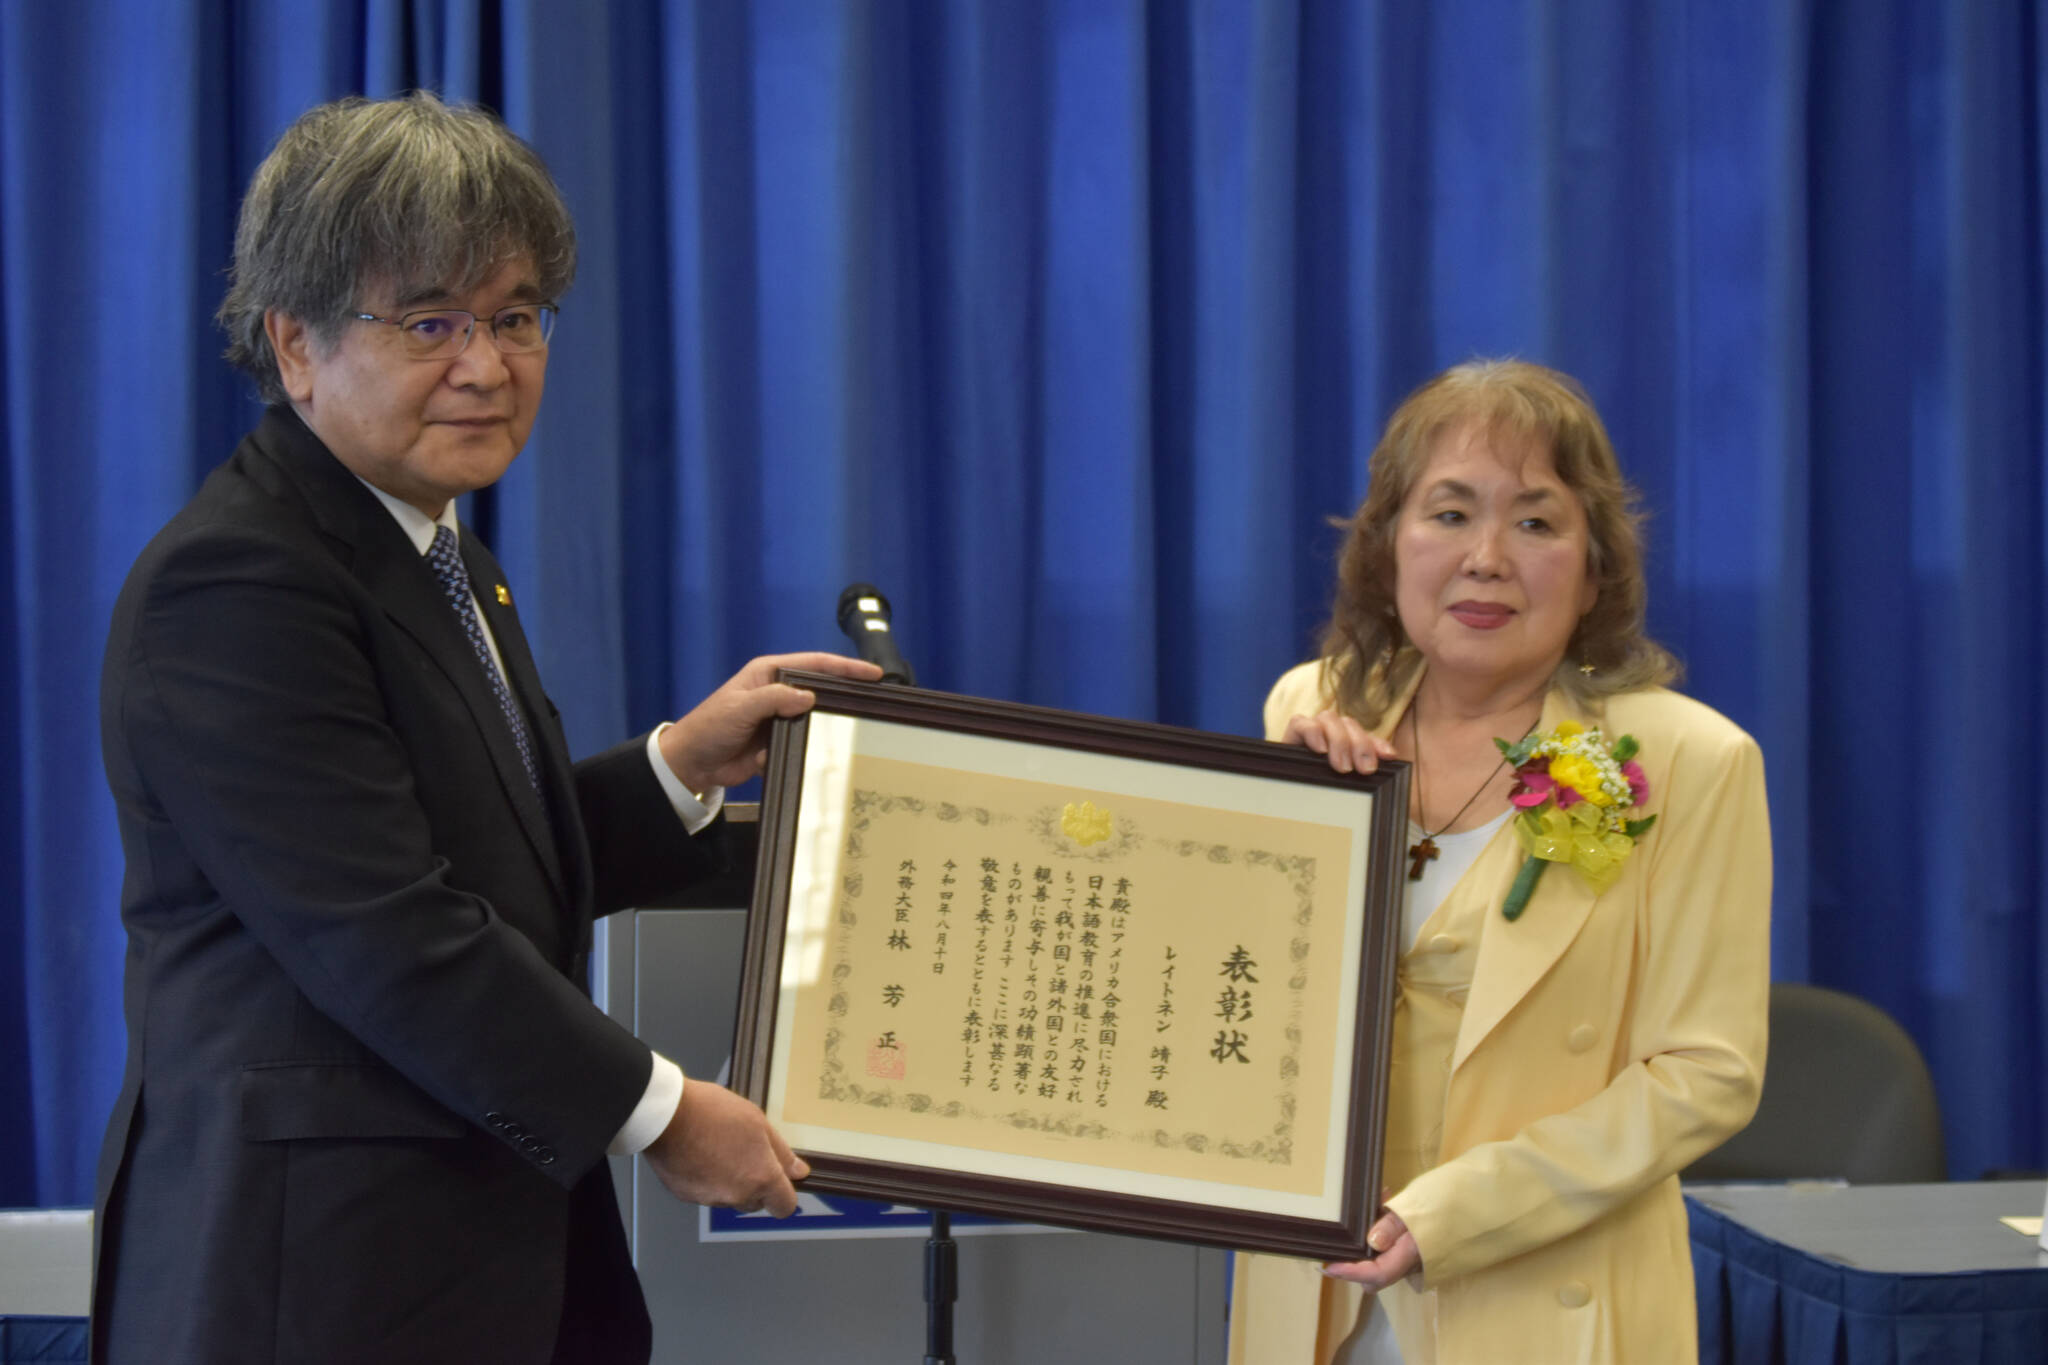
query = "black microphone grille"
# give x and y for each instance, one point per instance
(850, 604)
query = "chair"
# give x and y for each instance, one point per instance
(1846, 1096)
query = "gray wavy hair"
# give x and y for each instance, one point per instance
(408, 193)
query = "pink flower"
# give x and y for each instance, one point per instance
(1539, 786)
(1638, 784)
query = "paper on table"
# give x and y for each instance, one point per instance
(2025, 1227)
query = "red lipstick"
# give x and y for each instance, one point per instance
(1482, 615)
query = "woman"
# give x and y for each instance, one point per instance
(1561, 1049)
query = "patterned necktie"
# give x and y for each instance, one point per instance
(447, 562)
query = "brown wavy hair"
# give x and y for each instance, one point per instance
(1367, 657)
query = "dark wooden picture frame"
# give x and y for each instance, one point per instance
(1377, 824)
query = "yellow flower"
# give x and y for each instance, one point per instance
(1594, 834)
(1582, 775)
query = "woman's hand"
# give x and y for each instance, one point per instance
(1397, 1259)
(1350, 747)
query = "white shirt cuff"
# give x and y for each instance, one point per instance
(650, 1117)
(693, 810)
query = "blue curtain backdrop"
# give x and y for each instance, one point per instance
(1070, 323)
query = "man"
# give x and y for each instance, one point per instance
(367, 1098)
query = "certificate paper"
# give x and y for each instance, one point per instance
(1002, 964)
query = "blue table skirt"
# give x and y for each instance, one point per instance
(1762, 1302)
(42, 1341)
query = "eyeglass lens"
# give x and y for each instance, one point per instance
(446, 331)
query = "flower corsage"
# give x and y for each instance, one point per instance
(1573, 794)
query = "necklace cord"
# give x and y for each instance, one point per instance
(1415, 730)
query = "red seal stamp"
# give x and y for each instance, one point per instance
(885, 1061)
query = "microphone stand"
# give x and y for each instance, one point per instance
(864, 616)
(941, 1288)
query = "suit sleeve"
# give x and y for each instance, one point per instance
(254, 718)
(1693, 1041)
(639, 848)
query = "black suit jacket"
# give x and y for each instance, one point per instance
(367, 1097)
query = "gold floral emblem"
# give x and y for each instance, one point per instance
(1084, 824)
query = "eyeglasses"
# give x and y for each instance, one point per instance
(442, 333)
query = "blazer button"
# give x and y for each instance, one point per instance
(545, 1156)
(1444, 943)
(495, 1119)
(528, 1142)
(1575, 1295)
(1582, 1037)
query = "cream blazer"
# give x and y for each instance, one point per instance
(1608, 1041)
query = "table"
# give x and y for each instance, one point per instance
(1869, 1275)
(45, 1285)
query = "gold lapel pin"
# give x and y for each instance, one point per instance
(504, 596)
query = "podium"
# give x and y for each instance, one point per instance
(831, 1284)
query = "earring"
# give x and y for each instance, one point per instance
(1586, 669)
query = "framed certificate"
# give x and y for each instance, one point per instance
(1106, 974)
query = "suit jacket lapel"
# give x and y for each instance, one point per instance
(406, 588)
(1513, 957)
(551, 755)
(394, 573)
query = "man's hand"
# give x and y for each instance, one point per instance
(719, 1149)
(724, 741)
(1398, 1257)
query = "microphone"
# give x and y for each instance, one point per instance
(864, 616)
